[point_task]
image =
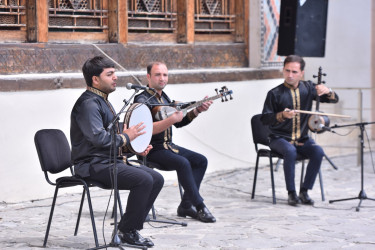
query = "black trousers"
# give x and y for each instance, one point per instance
(309, 149)
(144, 185)
(190, 167)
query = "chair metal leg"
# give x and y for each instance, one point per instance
(51, 215)
(272, 181)
(302, 174)
(321, 185)
(119, 203)
(181, 190)
(255, 177)
(86, 190)
(92, 216)
(320, 180)
(80, 212)
(278, 163)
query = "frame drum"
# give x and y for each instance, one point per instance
(137, 113)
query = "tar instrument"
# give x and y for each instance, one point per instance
(318, 120)
(137, 113)
(163, 112)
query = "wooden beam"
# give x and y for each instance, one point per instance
(117, 21)
(42, 21)
(112, 21)
(31, 27)
(185, 21)
(240, 20)
(123, 21)
(37, 21)
(246, 17)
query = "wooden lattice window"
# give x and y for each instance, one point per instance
(12, 14)
(152, 16)
(78, 15)
(214, 16)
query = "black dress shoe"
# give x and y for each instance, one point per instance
(205, 215)
(293, 199)
(134, 238)
(151, 244)
(305, 198)
(191, 211)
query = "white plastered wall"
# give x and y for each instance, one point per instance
(223, 134)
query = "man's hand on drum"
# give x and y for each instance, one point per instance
(134, 131)
(144, 153)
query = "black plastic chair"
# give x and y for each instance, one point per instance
(260, 137)
(55, 157)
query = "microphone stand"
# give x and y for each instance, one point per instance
(115, 241)
(328, 129)
(362, 194)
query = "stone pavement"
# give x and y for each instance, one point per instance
(242, 223)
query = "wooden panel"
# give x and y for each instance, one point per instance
(113, 25)
(190, 21)
(246, 9)
(123, 21)
(209, 38)
(215, 17)
(13, 21)
(13, 36)
(78, 15)
(154, 37)
(78, 37)
(117, 21)
(42, 21)
(240, 20)
(159, 16)
(32, 35)
(12, 13)
(185, 21)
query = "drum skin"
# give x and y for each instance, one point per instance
(137, 113)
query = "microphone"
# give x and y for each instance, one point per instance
(133, 86)
(324, 128)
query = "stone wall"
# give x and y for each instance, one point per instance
(25, 67)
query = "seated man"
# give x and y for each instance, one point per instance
(190, 166)
(91, 150)
(289, 129)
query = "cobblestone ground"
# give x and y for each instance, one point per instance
(242, 223)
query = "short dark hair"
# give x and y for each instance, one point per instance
(295, 58)
(149, 67)
(94, 67)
